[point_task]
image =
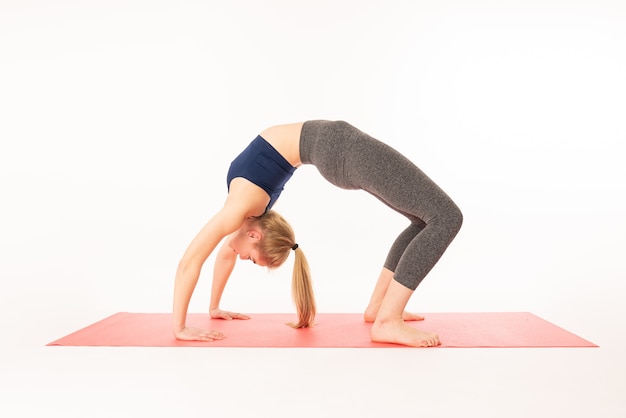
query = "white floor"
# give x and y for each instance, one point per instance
(130, 382)
(41, 303)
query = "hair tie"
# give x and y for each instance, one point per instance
(294, 247)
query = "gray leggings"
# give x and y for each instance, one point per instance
(351, 159)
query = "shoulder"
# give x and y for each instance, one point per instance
(245, 198)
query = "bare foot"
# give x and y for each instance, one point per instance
(370, 316)
(397, 332)
(408, 316)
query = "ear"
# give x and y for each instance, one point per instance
(255, 234)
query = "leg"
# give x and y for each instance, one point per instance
(391, 263)
(351, 159)
(377, 298)
(389, 326)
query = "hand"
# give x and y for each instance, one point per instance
(198, 334)
(217, 313)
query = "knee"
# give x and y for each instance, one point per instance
(449, 220)
(454, 219)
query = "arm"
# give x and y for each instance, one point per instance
(224, 264)
(244, 200)
(223, 223)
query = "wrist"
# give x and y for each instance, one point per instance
(178, 326)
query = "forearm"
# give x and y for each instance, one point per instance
(185, 283)
(224, 264)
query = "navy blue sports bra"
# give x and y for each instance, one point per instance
(261, 164)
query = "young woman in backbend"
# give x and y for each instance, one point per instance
(349, 159)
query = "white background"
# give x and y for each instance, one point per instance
(118, 120)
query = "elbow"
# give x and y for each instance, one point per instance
(186, 265)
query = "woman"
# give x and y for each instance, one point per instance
(349, 159)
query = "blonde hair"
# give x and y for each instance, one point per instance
(278, 240)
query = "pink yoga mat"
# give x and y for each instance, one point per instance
(503, 329)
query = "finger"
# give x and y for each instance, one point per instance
(205, 339)
(208, 338)
(216, 334)
(241, 316)
(212, 336)
(221, 315)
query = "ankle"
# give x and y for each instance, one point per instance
(386, 320)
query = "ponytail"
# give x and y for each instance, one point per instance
(278, 241)
(302, 291)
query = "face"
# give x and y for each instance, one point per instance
(245, 243)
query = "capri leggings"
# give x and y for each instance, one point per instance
(351, 159)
